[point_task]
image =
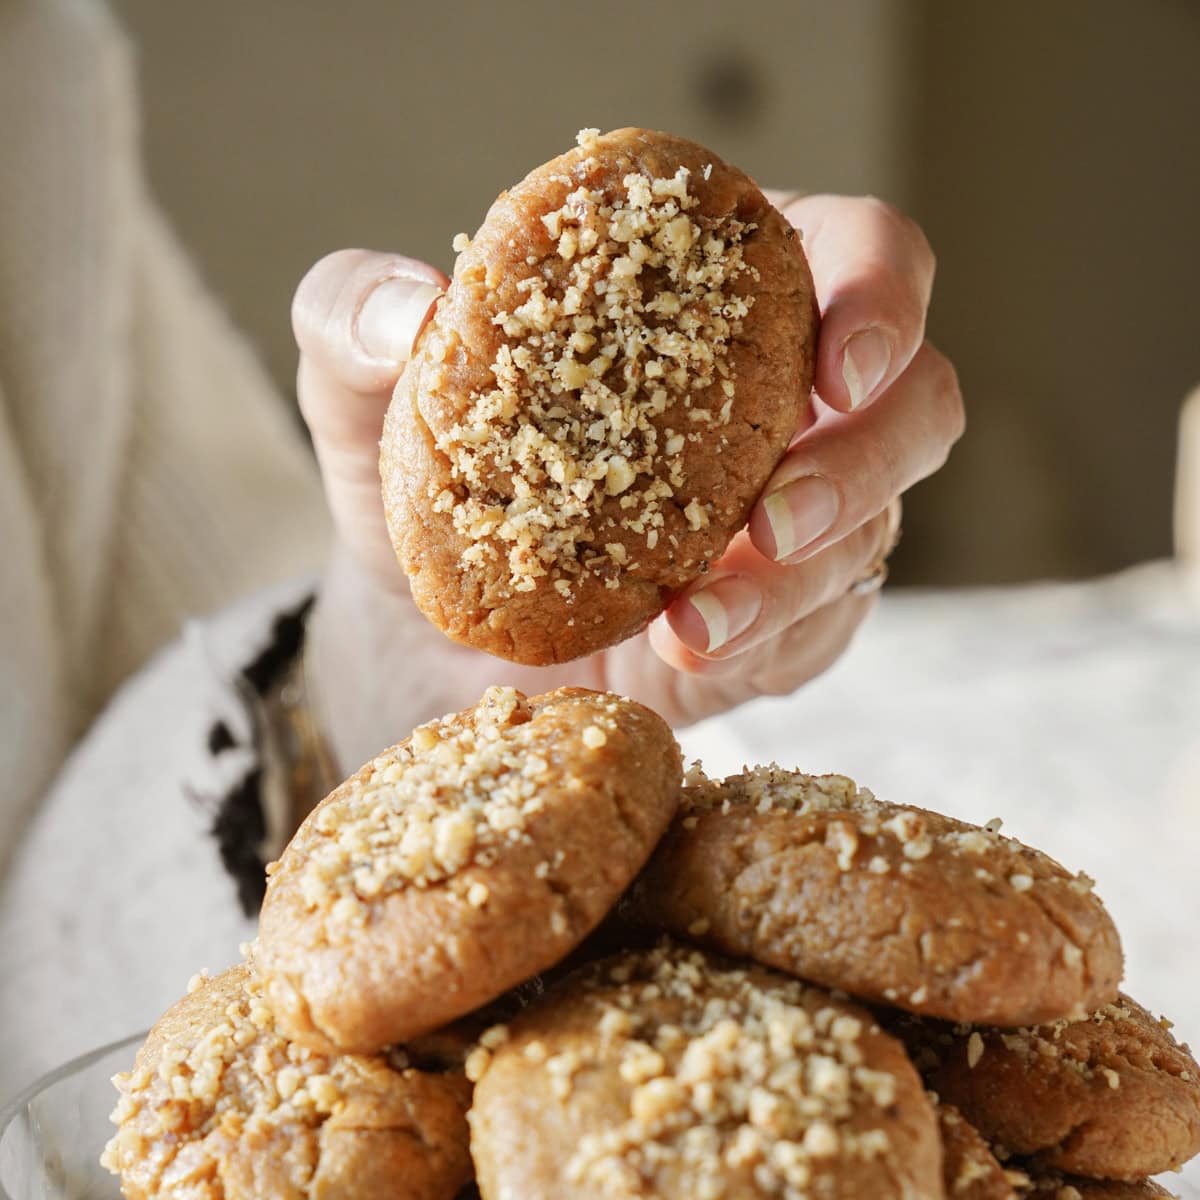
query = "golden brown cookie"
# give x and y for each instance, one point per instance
(1050, 1185)
(220, 1106)
(621, 359)
(670, 1073)
(814, 876)
(464, 860)
(1112, 1096)
(970, 1170)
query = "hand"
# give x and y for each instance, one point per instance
(777, 609)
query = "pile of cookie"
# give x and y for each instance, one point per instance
(523, 948)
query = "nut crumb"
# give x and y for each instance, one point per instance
(594, 737)
(974, 1050)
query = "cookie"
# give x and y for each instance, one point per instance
(220, 1106)
(1113, 1096)
(970, 1171)
(468, 858)
(623, 354)
(670, 1073)
(1053, 1186)
(814, 876)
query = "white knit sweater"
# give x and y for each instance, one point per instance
(148, 470)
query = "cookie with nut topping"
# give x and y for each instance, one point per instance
(815, 876)
(970, 1171)
(220, 1106)
(1112, 1095)
(671, 1073)
(1053, 1186)
(453, 866)
(623, 354)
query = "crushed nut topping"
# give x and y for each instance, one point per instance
(743, 1075)
(625, 325)
(240, 1075)
(974, 1050)
(773, 789)
(915, 834)
(459, 790)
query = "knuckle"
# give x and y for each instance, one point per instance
(947, 392)
(909, 233)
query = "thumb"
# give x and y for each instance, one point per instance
(355, 316)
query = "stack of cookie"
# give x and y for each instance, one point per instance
(521, 948)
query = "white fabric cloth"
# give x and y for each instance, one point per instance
(117, 894)
(148, 469)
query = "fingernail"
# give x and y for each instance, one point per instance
(799, 512)
(865, 359)
(715, 615)
(391, 317)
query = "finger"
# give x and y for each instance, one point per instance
(356, 315)
(748, 600)
(873, 271)
(845, 471)
(776, 667)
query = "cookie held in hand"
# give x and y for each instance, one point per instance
(815, 876)
(468, 858)
(220, 1106)
(670, 1073)
(624, 353)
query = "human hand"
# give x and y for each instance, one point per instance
(779, 606)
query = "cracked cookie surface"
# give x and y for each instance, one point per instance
(1112, 1096)
(815, 876)
(671, 1073)
(220, 1106)
(466, 859)
(623, 354)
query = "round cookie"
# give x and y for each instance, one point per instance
(1112, 1096)
(468, 858)
(220, 1106)
(622, 357)
(970, 1171)
(669, 1073)
(814, 876)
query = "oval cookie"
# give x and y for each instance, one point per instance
(670, 1073)
(622, 357)
(1112, 1095)
(814, 876)
(220, 1106)
(461, 862)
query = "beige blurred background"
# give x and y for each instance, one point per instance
(1050, 151)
